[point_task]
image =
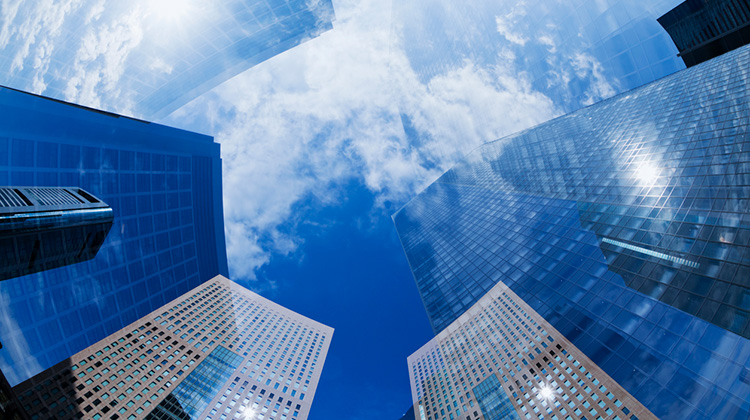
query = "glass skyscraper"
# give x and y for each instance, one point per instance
(146, 58)
(625, 225)
(217, 352)
(164, 188)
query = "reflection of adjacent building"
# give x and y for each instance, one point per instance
(500, 360)
(623, 225)
(164, 187)
(43, 228)
(218, 351)
(704, 29)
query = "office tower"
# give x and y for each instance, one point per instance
(624, 225)
(164, 188)
(219, 351)
(48, 227)
(146, 58)
(501, 360)
(704, 29)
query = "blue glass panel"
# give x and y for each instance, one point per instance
(192, 395)
(166, 57)
(64, 145)
(624, 224)
(493, 401)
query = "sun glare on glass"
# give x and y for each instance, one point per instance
(647, 173)
(249, 414)
(546, 392)
(168, 9)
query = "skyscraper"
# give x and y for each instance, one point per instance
(147, 58)
(704, 29)
(164, 188)
(219, 351)
(500, 360)
(48, 227)
(625, 225)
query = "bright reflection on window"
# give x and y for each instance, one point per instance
(169, 9)
(546, 392)
(647, 173)
(249, 414)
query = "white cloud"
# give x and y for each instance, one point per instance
(589, 68)
(548, 42)
(506, 24)
(297, 127)
(32, 27)
(15, 346)
(99, 63)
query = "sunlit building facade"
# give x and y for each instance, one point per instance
(219, 351)
(624, 225)
(501, 360)
(147, 58)
(163, 186)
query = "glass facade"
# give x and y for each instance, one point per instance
(493, 401)
(192, 395)
(565, 54)
(625, 225)
(147, 58)
(164, 188)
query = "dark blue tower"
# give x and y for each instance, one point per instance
(164, 188)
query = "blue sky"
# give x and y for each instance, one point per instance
(321, 144)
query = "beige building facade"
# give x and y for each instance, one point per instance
(217, 352)
(500, 360)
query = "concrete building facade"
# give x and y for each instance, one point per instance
(219, 351)
(502, 360)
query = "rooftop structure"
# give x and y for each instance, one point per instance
(48, 227)
(704, 29)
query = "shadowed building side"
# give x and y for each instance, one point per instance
(10, 407)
